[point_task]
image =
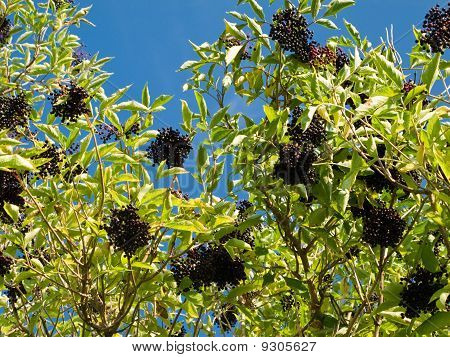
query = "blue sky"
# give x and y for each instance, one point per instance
(150, 39)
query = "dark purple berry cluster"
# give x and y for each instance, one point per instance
(169, 146)
(382, 226)
(418, 288)
(14, 292)
(436, 29)
(342, 59)
(244, 235)
(295, 162)
(288, 301)
(14, 111)
(5, 29)
(207, 265)
(53, 166)
(321, 56)
(10, 190)
(73, 171)
(70, 103)
(127, 231)
(230, 41)
(314, 134)
(408, 86)
(61, 3)
(226, 319)
(290, 29)
(5, 264)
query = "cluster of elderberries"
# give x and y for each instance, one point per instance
(227, 318)
(436, 29)
(69, 103)
(321, 56)
(13, 292)
(230, 41)
(5, 264)
(106, 132)
(290, 29)
(342, 59)
(209, 264)
(73, 172)
(14, 111)
(381, 226)
(61, 3)
(170, 146)
(127, 231)
(288, 301)
(5, 29)
(243, 235)
(10, 190)
(418, 288)
(408, 86)
(56, 156)
(314, 134)
(295, 162)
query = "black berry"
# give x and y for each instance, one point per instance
(314, 134)
(69, 103)
(436, 29)
(14, 111)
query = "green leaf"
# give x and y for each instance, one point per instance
(187, 115)
(234, 31)
(237, 243)
(327, 23)
(431, 71)
(131, 105)
(429, 259)
(201, 105)
(161, 100)
(336, 6)
(187, 226)
(315, 7)
(232, 53)
(295, 284)
(146, 95)
(15, 161)
(436, 322)
(270, 113)
(350, 178)
(240, 290)
(170, 172)
(257, 9)
(142, 265)
(390, 70)
(202, 158)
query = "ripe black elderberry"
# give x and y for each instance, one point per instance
(56, 156)
(341, 59)
(69, 103)
(170, 146)
(5, 29)
(5, 264)
(436, 29)
(127, 231)
(382, 226)
(290, 29)
(418, 288)
(227, 318)
(14, 111)
(207, 265)
(314, 134)
(439, 242)
(321, 57)
(294, 165)
(10, 190)
(288, 301)
(73, 171)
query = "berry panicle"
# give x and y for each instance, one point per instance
(70, 103)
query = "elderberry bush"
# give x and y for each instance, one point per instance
(290, 29)
(70, 103)
(127, 231)
(14, 111)
(436, 29)
(418, 288)
(295, 162)
(207, 265)
(169, 146)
